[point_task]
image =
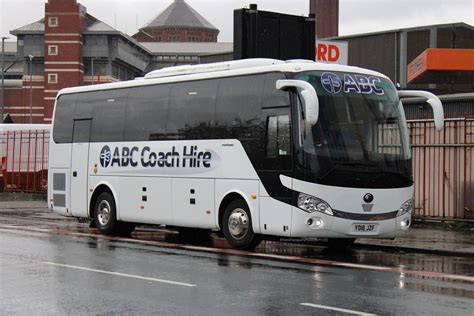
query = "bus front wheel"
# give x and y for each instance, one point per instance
(237, 226)
(105, 215)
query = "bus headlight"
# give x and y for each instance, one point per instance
(312, 204)
(405, 207)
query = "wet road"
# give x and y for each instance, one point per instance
(52, 265)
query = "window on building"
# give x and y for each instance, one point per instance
(53, 21)
(52, 50)
(115, 71)
(52, 78)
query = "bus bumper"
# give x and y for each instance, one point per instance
(319, 225)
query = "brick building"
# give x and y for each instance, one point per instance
(178, 23)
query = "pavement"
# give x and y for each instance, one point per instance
(421, 238)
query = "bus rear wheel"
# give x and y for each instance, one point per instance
(237, 226)
(105, 214)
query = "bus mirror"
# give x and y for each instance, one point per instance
(309, 95)
(432, 100)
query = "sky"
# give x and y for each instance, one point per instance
(355, 16)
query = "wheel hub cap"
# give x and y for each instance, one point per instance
(238, 223)
(103, 213)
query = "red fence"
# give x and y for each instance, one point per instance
(443, 168)
(24, 155)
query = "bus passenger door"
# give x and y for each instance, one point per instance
(275, 199)
(80, 167)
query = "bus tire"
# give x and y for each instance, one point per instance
(105, 214)
(237, 226)
(340, 243)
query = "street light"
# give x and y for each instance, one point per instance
(92, 69)
(31, 90)
(3, 78)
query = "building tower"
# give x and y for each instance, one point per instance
(178, 23)
(327, 17)
(63, 67)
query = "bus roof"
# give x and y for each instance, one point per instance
(222, 69)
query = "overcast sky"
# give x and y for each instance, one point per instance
(356, 16)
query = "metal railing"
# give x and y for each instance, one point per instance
(24, 158)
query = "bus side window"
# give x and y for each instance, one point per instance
(238, 107)
(191, 110)
(62, 129)
(108, 116)
(278, 136)
(145, 114)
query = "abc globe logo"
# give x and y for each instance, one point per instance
(105, 156)
(331, 82)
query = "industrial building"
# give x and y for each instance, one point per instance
(393, 53)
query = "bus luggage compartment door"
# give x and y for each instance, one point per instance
(193, 202)
(80, 167)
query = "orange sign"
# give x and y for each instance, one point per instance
(441, 59)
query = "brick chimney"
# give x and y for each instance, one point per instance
(63, 67)
(327, 17)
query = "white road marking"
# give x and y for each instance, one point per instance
(117, 274)
(342, 310)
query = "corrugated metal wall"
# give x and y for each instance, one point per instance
(452, 109)
(457, 106)
(417, 42)
(377, 52)
(455, 37)
(381, 52)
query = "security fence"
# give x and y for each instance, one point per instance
(24, 158)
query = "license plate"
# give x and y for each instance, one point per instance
(365, 228)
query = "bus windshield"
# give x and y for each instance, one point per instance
(360, 139)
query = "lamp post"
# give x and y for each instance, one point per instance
(92, 69)
(3, 78)
(31, 89)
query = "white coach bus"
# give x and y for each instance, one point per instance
(252, 148)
